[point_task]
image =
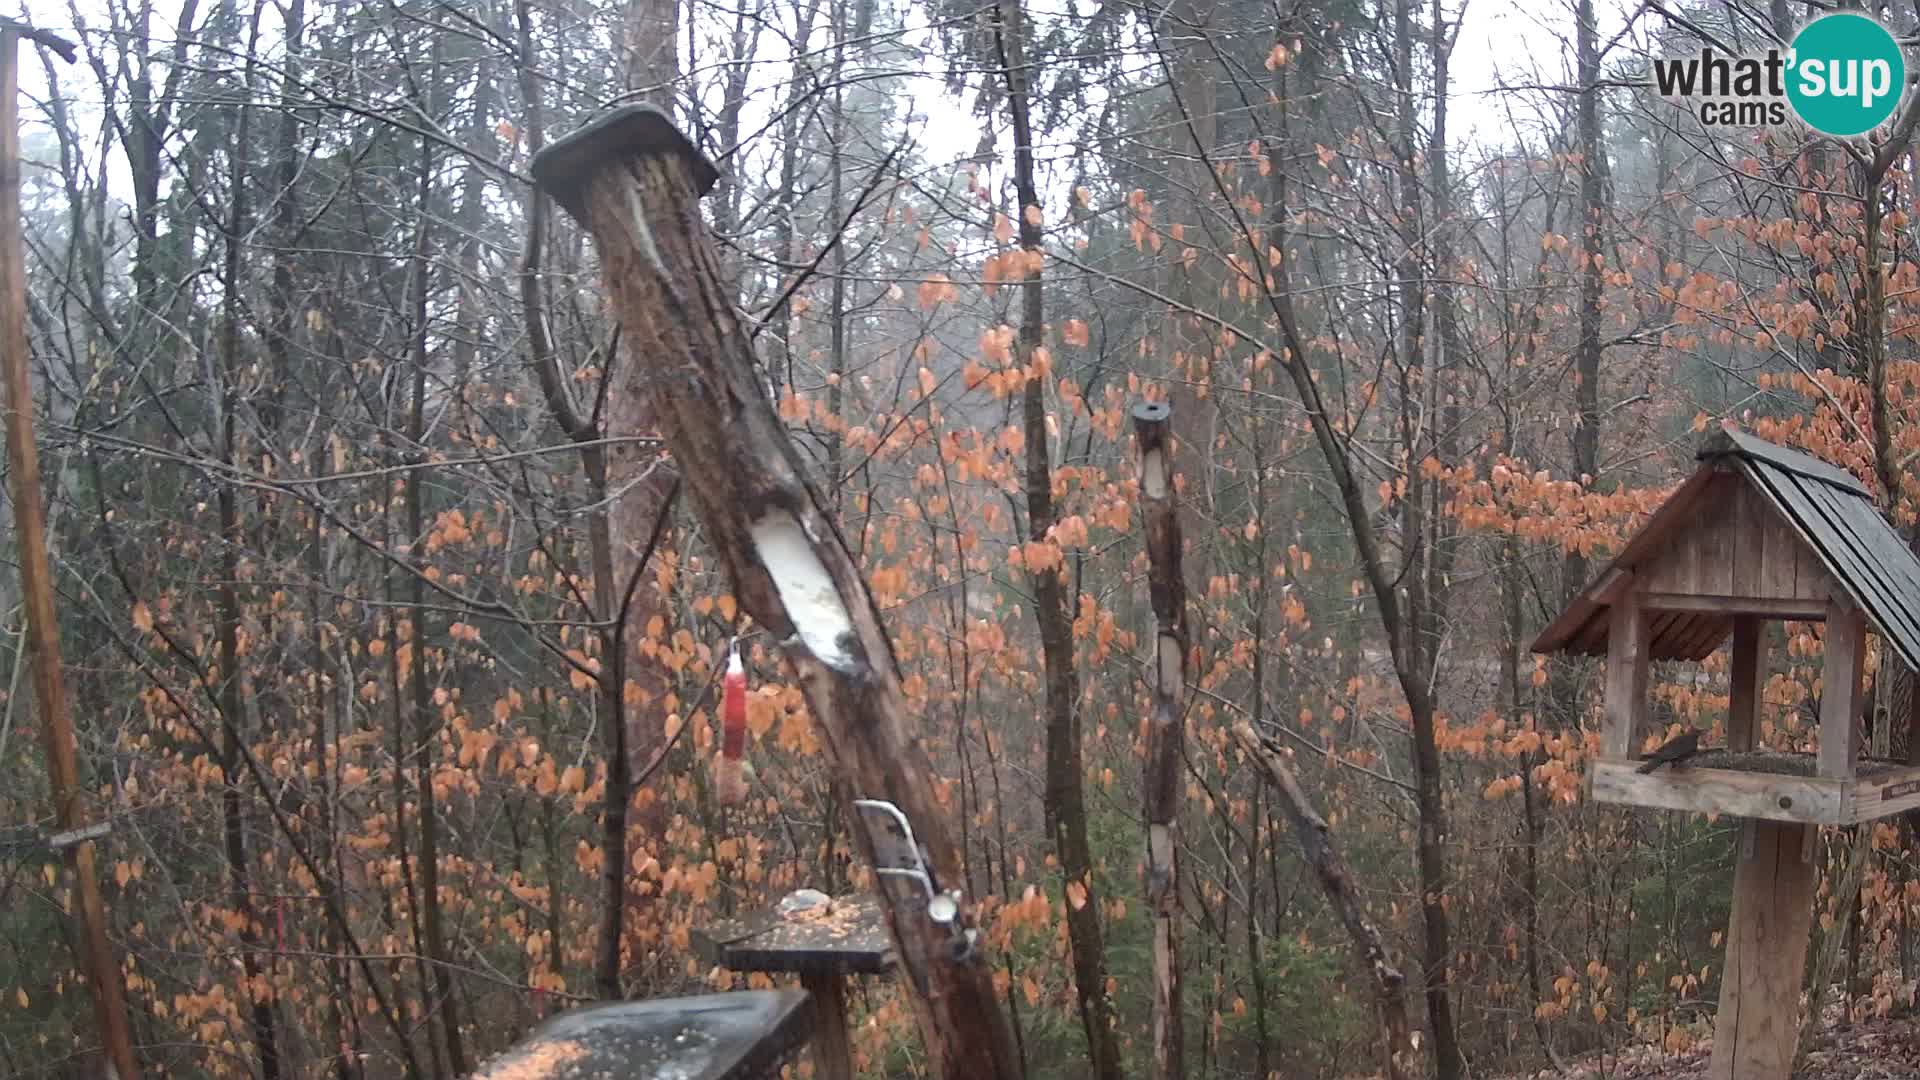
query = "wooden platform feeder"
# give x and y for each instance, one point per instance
(1758, 532)
(844, 938)
(749, 1035)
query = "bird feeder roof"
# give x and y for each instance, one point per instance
(1762, 530)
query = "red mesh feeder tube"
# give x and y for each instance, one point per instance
(730, 781)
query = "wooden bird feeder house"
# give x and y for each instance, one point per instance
(1758, 532)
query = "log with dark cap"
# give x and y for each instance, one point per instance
(634, 182)
(1166, 731)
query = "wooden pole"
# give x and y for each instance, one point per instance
(634, 181)
(1627, 657)
(832, 1046)
(1841, 669)
(36, 575)
(1773, 885)
(1165, 729)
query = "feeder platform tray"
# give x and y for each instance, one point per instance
(742, 1036)
(1767, 784)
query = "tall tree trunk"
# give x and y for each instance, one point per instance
(410, 656)
(1587, 351)
(652, 51)
(1065, 798)
(1419, 531)
(233, 693)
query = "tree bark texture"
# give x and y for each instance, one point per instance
(1065, 795)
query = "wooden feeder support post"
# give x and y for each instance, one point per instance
(634, 182)
(1756, 1026)
(1758, 1023)
(36, 574)
(825, 952)
(1165, 728)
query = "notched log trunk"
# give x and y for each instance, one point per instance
(1165, 728)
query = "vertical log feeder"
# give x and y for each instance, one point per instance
(1166, 727)
(634, 182)
(97, 956)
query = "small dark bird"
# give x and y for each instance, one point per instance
(1674, 751)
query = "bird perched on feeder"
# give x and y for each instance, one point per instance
(1674, 751)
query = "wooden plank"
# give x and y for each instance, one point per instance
(1764, 607)
(1758, 1022)
(1714, 538)
(1729, 792)
(1840, 688)
(1705, 636)
(1749, 539)
(1592, 637)
(1747, 682)
(1886, 794)
(1782, 550)
(1626, 686)
(1660, 628)
(849, 937)
(1912, 719)
(1898, 568)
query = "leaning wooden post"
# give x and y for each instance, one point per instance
(36, 575)
(1343, 896)
(1166, 728)
(634, 182)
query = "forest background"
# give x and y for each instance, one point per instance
(392, 647)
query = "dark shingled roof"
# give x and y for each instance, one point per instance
(1835, 515)
(1828, 509)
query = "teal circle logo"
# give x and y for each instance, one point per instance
(1848, 74)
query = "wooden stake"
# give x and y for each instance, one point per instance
(1166, 731)
(634, 181)
(36, 575)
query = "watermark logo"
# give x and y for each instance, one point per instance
(1844, 75)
